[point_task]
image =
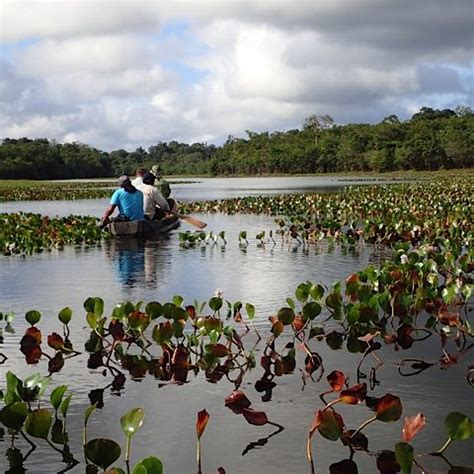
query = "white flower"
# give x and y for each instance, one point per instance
(218, 292)
(403, 258)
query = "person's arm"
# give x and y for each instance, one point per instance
(160, 201)
(108, 212)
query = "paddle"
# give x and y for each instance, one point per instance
(190, 220)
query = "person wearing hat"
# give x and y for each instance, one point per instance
(129, 201)
(160, 182)
(154, 204)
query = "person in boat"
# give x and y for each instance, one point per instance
(160, 182)
(138, 181)
(155, 205)
(129, 201)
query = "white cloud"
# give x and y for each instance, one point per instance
(124, 74)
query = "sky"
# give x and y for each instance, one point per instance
(122, 74)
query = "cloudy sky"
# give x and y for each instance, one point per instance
(128, 73)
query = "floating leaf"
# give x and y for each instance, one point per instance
(65, 405)
(14, 415)
(65, 315)
(459, 426)
(331, 424)
(257, 418)
(38, 423)
(56, 396)
(404, 455)
(388, 408)
(354, 395)
(33, 317)
(250, 309)
(132, 421)
(336, 380)
(102, 452)
(201, 422)
(286, 316)
(152, 465)
(55, 341)
(237, 401)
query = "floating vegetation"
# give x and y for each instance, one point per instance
(54, 191)
(422, 293)
(413, 213)
(25, 233)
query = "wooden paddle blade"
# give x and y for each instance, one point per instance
(193, 221)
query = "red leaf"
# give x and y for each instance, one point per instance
(447, 318)
(354, 395)
(191, 310)
(336, 380)
(55, 341)
(298, 323)
(412, 425)
(388, 408)
(219, 350)
(116, 330)
(201, 422)
(237, 401)
(35, 333)
(331, 424)
(257, 418)
(180, 358)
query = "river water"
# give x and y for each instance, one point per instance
(155, 270)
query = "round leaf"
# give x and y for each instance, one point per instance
(459, 426)
(33, 317)
(286, 315)
(38, 423)
(102, 452)
(132, 421)
(14, 415)
(65, 315)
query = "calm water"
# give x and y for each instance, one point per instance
(203, 189)
(265, 276)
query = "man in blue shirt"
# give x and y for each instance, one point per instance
(129, 201)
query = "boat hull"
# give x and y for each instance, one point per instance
(142, 228)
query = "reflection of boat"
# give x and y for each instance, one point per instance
(140, 228)
(136, 260)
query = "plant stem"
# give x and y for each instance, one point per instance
(309, 454)
(443, 448)
(127, 449)
(363, 425)
(198, 455)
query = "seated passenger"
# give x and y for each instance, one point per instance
(129, 201)
(155, 205)
(160, 182)
(138, 180)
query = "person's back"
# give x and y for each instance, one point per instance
(130, 203)
(152, 197)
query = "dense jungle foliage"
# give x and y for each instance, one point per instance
(430, 140)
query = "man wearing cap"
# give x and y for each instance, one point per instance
(129, 201)
(155, 205)
(160, 182)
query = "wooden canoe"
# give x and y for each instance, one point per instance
(141, 228)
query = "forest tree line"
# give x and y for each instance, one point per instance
(431, 140)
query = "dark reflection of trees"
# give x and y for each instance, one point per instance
(135, 260)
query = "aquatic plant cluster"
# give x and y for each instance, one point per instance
(412, 212)
(25, 233)
(424, 292)
(53, 191)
